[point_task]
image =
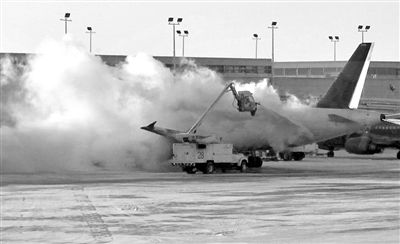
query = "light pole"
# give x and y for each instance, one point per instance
(334, 40)
(273, 27)
(66, 19)
(90, 31)
(362, 30)
(255, 37)
(185, 34)
(171, 22)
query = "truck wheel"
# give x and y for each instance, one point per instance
(243, 166)
(190, 170)
(209, 168)
(398, 155)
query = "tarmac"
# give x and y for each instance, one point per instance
(346, 199)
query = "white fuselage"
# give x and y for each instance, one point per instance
(295, 127)
(324, 123)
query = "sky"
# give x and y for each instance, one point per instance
(216, 28)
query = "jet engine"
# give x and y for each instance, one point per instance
(361, 144)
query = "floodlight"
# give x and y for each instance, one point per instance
(334, 39)
(178, 31)
(360, 29)
(89, 28)
(255, 35)
(180, 20)
(274, 23)
(186, 32)
(67, 15)
(170, 19)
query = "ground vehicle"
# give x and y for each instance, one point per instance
(193, 157)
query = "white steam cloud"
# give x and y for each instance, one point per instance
(67, 110)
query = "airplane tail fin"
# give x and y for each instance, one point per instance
(346, 90)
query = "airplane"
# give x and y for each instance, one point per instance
(369, 141)
(336, 114)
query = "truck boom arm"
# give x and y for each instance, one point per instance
(244, 100)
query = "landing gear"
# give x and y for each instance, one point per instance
(330, 154)
(243, 166)
(288, 156)
(298, 156)
(254, 162)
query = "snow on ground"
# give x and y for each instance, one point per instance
(348, 199)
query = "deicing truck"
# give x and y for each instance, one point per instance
(193, 157)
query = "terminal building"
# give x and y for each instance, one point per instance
(303, 79)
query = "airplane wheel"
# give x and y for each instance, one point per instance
(251, 161)
(298, 156)
(330, 154)
(259, 162)
(243, 166)
(287, 156)
(398, 155)
(209, 168)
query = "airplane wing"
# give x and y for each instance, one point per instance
(169, 133)
(393, 121)
(283, 125)
(391, 118)
(280, 118)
